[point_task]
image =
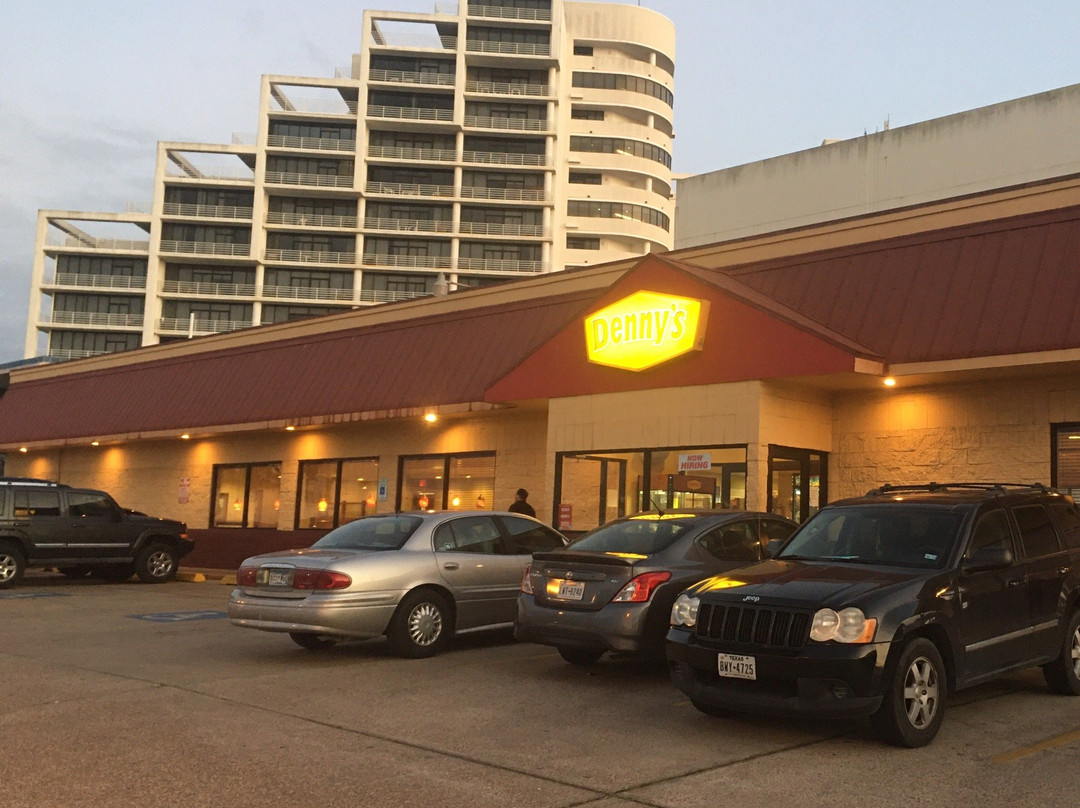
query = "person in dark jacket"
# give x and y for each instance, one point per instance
(519, 505)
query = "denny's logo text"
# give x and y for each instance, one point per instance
(645, 329)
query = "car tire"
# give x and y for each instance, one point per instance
(914, 705)
(312, 642)
(580, 656)
(420, 625)
(12, 564)
(156, 563)
(1063, 674)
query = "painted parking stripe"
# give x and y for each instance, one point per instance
(1042, 746)
(179, 617)
(24, 595)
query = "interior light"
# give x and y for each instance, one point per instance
(456, 501)
(889, 381)
(1071, 437)
(323, 505)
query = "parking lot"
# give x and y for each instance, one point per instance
(135, 694)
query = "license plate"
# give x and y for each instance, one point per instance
(736, 666)
(279, 578)
(571, 590)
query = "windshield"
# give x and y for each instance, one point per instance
(370, 533)
(639, 535)
(876, 534)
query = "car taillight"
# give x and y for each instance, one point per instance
(245, 576)
(320, 579)
(526, 581)
(641, 587)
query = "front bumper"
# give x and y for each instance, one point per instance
(359, 615)
(827, 680)
(615, 627)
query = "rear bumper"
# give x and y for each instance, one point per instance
(356, 615)
(615, 627)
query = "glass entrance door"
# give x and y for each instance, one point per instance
(797, 481)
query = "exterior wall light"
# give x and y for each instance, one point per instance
(95, 443)
(430, 417)
(889, 381)
(290, 428)
(185, 436)
(23, 449)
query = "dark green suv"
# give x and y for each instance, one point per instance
(81, 532)
(882, 605)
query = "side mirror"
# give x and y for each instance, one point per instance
(988, 558)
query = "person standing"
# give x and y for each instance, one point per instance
(519, 505)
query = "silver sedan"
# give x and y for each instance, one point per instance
(418, 578)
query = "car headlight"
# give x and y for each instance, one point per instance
(848, 625)
(684, 612)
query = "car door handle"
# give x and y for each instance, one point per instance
(1016, 582)
(1064, 570)
(451, 565)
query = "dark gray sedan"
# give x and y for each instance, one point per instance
(418, 578)
(612, 589)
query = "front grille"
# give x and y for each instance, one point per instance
(752, 625)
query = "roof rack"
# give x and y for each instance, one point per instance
(25, 481)
(999, 488)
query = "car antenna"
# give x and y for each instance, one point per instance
(656, 505)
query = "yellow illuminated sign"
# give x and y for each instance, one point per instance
(645, 329)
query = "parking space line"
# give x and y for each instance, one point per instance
(1042, 746)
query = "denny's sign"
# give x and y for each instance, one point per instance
(645, 329)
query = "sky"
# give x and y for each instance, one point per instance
(87, 89)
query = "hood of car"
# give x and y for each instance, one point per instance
(803, 584)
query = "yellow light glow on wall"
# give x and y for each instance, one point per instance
(645, 329)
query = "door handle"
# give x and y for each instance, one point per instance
(451, 565)
(1064, 570)
(1013, 582)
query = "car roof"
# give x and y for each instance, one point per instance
(950, 494)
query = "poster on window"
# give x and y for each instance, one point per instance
(185, 490)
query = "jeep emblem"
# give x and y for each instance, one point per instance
(751, 599)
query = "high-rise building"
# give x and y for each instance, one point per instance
(485, 141)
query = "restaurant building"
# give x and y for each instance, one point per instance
(752, 373)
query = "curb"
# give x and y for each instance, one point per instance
(202, 576)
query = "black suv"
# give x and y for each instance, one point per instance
(80, 531)
(881, 605)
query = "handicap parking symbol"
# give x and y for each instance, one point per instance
(179, 617)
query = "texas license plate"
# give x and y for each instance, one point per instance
(571, 590)
(737, 666)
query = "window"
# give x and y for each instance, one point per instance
(477, 534)
(441, 482)
(991, 532)
(582, 243)
(37, 503)
(246, 495)
(583, 50)
(333, 492)
(89, 503)
(734, 541)
(585, 178)
(579, 114)
(1037, 533)
(1068, 521)
(528, 537)
(775, 530)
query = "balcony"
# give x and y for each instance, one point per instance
(310, 180)
(308, 293)
(203, 289)
(73, 353)
(408, 225)
(508, 48)
(409, 77)
(411, 261)
(312, 220)
(426, 114)
(172, 326)
(507, 88)
(384, 296)
(277, 256)
(204, 248)
(505, 159)
(408, 189)
(500, 265)
(123, 282)
(509, 229)
(207, 211)
(310, 143)
(86, 244)
(94, 319)
(405, 153)
(506, 124)
(506, 194)
(503, 13)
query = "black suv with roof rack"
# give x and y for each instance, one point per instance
(883, 604)
(80, 531)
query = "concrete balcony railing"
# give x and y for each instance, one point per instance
(506, 124)
(508, 48)
(207, 211)
(306, 293)
(95, 319)
(495, 229)
(185, 325)
(408, 189)
(404, 153)
(101, 244)
(204, 248)
(504, 13)
(414, 261)
(410, 77)
(408, 225)
(507, 88)
(311, 220)
(271, 255)
(505, 159)
(408, 42)
(310, 143)
(499, 265)
(508, 194)
(312, 180)
(427, 114)
(123, 282)
(203, 289)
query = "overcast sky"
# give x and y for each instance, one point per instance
(87, 89)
